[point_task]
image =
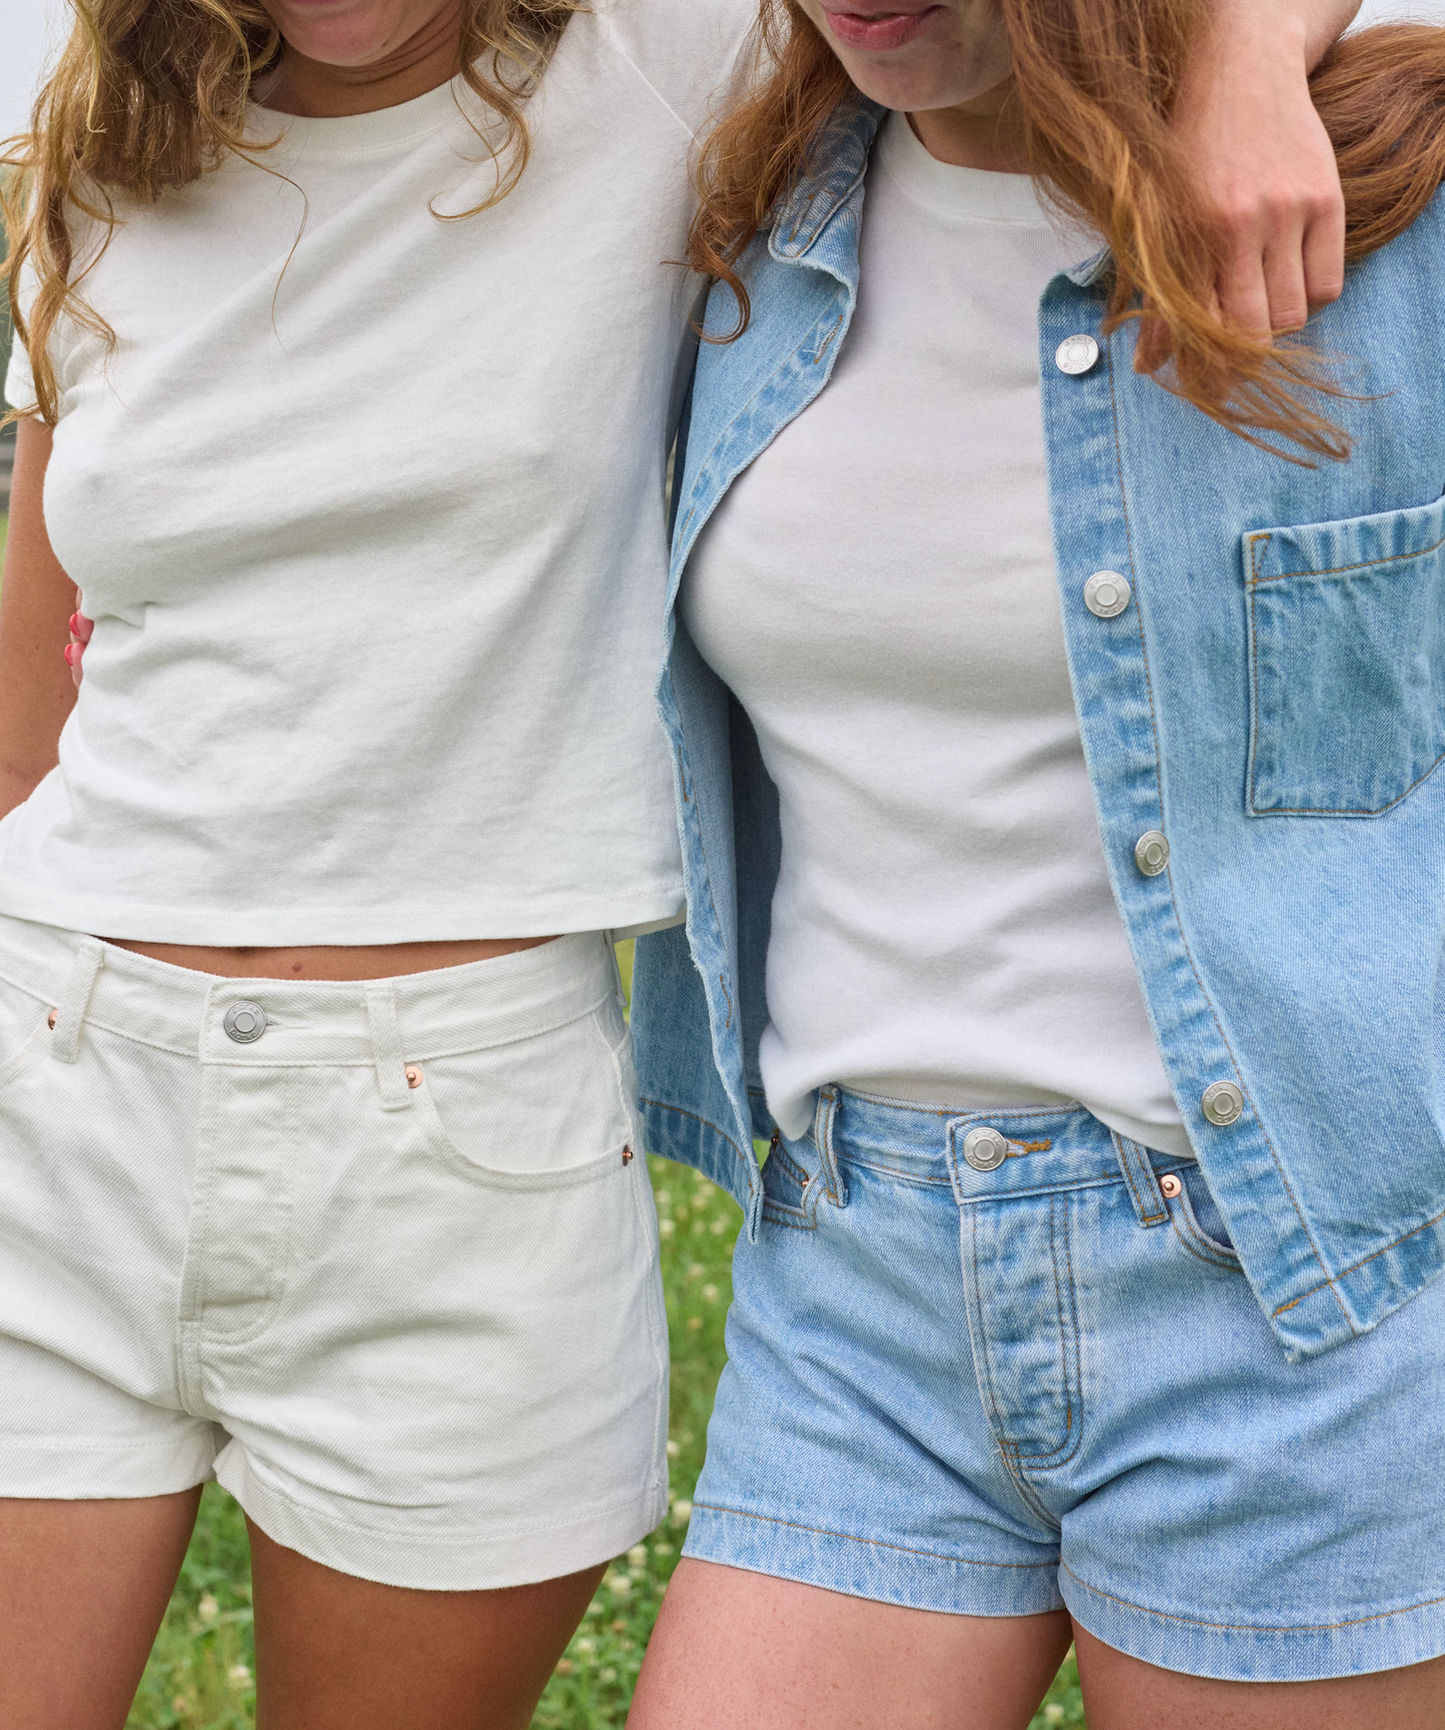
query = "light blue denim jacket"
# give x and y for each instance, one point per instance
(1273, 701)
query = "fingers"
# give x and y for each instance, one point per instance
(1266, 168)
(80, 634)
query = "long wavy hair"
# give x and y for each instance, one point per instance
(1096, 82)
(150, 94)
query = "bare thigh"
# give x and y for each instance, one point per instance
(83, 1588)
(336, 1653)
(741, 1651)
(1122, 1693)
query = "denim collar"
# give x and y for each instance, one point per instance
(837, 162)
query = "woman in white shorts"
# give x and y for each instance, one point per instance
(319, 1164)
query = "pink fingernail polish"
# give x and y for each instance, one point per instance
(75, 624)
(70, 654)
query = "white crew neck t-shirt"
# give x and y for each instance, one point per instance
(879, 591)
(370, 522)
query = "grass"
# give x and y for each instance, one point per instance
(200, 1676)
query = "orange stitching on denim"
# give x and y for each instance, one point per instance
(823, 346)
(1308, 810)
(875, 1543)
(706, 1122)
(1173, 899)
(1344, 570)
(1247, 1627)
(1140, 1200)
(1204, 1250)
(1034, 1147)
(1429, 1225)
(1344, 811)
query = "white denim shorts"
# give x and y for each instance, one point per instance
(385, 1265)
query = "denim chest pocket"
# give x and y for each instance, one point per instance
(1346, 662)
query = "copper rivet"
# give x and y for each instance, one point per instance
(50, 1019)
(1171, 1185)
(413, 1075)
(627, 1156)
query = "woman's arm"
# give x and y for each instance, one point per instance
(36, 601)
(1263, 158)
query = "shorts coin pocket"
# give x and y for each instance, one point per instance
(1346, 662)
(785, 1191)
(1198, 1222)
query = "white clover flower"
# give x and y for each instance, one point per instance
(208, 1609)
(239, 1675)
(718, 1227)
(1053, 1713)
(663, 1549)
(665, 1228)
(694, 1323)
(681, 1511)
(595, 1608)
(584, 1647)
(673, 1450)
(704, 1189)
(710, 1293)
(620, 1585)
(664, 1198)
(637, 1555)
(607, 1675)
(696, 1271)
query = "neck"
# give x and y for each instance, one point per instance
(319, 91)
(987, 132)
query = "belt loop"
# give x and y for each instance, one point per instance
(827, 1110)
(1138, 1170)
(386, 1047)
(74, 1005)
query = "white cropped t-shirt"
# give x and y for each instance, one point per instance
(367, 507)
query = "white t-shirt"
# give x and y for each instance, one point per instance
(370, 522)
(879, 590)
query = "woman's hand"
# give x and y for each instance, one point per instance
(80, 629)
(1265, 163)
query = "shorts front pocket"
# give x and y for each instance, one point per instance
(1346, 663)
(547, 1112)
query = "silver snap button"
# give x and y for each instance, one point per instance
(1223, 1103)
(244, 1022)
(1107, 594)
(1077, 355)
(985, 1149)
(1151, 853)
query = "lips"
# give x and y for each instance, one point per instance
(875, 30)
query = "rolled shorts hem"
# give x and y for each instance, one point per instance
(887, 1573)
(466, 1561)
(63, 1470)
(1363, 1646)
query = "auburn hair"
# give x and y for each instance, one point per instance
(150, 94)
(1096, 82)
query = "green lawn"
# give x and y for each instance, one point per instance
(200, 1674)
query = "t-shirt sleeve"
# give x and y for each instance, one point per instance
(19, 380)
(688, 51)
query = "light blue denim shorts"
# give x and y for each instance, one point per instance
(1000, 1392)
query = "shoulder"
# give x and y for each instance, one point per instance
(686, 51)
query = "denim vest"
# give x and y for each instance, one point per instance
(1271, 703)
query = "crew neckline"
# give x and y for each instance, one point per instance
(972, 194)
(358, 134)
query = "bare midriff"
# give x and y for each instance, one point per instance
(330, 961)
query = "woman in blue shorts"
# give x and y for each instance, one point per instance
(1054, 746)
